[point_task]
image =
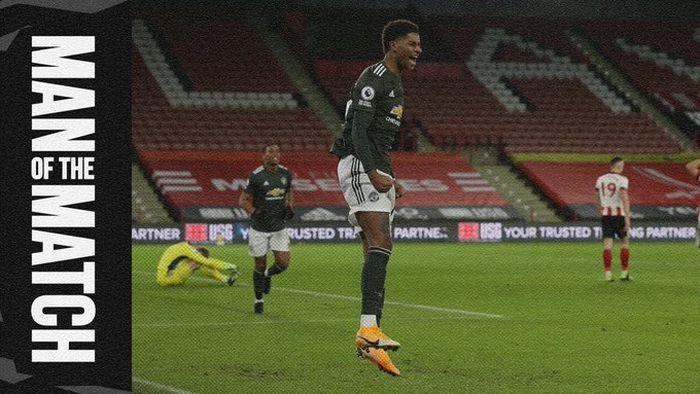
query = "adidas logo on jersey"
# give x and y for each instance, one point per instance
(380, 69)
(266, 183)
(391, 94)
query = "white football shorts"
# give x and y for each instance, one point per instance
(359, 193)
(260, 242)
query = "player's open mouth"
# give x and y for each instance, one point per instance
(412, 60)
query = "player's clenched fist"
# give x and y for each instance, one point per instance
(380, 182)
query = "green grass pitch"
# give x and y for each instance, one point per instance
(531, 317)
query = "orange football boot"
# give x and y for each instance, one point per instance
(373, 337)
(380, 358)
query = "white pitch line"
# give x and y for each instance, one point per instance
(415, 306)
(351, 298)
(159, 386)
(244, 323)
(448, 310)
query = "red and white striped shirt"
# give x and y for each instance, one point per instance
(608, 187)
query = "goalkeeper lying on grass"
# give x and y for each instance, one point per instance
(181, 260)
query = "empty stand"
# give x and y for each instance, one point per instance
(216, 179)
(202, 85)
(355, 34)
(223, 55)
(234, 110)
(662, 58)
(651, 185)
(521, 84)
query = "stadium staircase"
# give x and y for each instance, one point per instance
(617, 78)
(297, 74)
(146, 208)
(519, 193)
(312, 93)
(242, 104)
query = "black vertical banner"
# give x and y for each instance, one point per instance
(65, 119)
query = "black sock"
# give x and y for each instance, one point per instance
(373, 276)
(381, 308)
(258, 284)
(274, 269)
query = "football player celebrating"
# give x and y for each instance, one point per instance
(366, 177)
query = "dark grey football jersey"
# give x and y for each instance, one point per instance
(379, 92)
(269, 191)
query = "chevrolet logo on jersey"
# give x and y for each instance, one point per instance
(276, 192)
(397, 111)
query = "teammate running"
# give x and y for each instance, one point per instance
(268, 199)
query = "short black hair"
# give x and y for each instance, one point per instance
(615, 161)
(203, 251)
(264, 149)
(396, 29)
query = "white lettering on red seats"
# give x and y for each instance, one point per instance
(492, 74)
(661, 59)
